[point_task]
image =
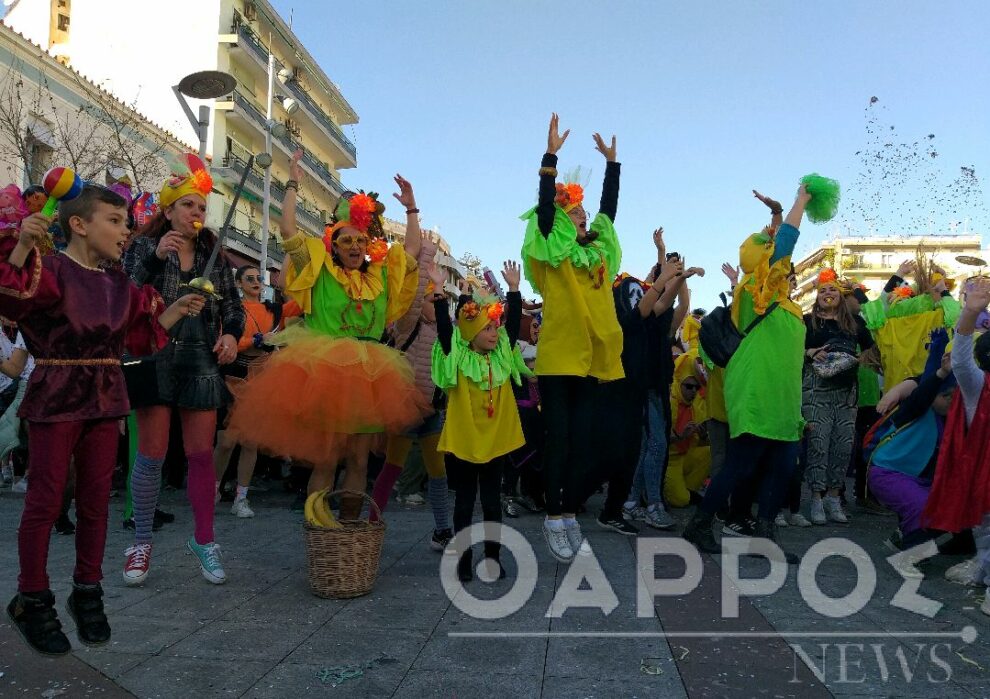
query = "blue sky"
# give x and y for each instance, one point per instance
(708, 101)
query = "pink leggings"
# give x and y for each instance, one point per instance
(93, 443)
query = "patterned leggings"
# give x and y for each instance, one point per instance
(831, 413)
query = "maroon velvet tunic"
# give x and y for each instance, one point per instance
(73, 314)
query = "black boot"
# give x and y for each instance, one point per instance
(163, 517)
(64, 525)
(34, 616)
(464, 567)
(85, 606)
(699, 532)
(493, 557)
(766, 529)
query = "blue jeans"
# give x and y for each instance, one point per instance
(765, 464)
(652, 453)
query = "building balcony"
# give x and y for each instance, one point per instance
(248, 239)
(234, 163)
(288, 144)
(254, 46)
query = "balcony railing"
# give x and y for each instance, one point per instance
(275, 251)
(255, 45)
(315, 165)
(238, 163)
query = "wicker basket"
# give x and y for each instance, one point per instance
(343, 562)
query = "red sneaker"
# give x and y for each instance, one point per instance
(138, 562)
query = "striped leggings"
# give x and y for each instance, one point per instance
(831, 414)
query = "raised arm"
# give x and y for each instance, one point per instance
(545, 211)
(513, 317)
(289, 229)
(414, 236)
(445, 328)
(776, 210)
(789, 231)
(964, 365)
(610, 186)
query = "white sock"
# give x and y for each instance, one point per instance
(569, 522)
(630, 504)
(242, 491)
(554, 524)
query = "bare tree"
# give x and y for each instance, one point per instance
(18, 101)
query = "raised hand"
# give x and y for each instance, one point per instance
(554, 139)
(295, 169)
(435, 275)
(732, 273)
(405, 196)
(978, 295)
(771, 204)
(907, 267)
(694, 271)
(669, 271)
(33, 230)
(464, 286)
(802, 195)
(658, 241)
(511, 274)
(607, 151)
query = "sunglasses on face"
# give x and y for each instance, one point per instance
(346, 241)
(251, 279)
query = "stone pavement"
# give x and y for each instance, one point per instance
(264, 635)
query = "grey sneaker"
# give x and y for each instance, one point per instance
(634, 514)
(818, 511)
(576, 539)
(557, 541)
(658, 518)
(833, 509)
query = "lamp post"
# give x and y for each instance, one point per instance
(271, 126)
(205, 85)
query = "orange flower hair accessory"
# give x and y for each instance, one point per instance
(495, 311)
(569, 195)
(377, 250)
(827, 277)
(903, 292)
(470, 310)
(189, 176)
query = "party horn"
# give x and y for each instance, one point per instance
(61, 184)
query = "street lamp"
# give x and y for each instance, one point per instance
(205, 85)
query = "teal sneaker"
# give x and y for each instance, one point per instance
(209, 561)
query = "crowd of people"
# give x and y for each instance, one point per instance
(129, 335)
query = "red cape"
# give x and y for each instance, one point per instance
(960, 494)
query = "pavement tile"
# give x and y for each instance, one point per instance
(232, 641)
(480, 656)
(315, 680)
(640, 686)
(163, 677)
(339, 643)
(148, 635)
(449, 684)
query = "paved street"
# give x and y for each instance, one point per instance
(264, 635)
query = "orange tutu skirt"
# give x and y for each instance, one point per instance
(318, 391)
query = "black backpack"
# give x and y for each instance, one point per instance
(719, 336)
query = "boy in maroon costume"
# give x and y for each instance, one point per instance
(75, 317)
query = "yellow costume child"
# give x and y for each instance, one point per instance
(474, 363)
(690, 457)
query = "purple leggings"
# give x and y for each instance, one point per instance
(905, 495)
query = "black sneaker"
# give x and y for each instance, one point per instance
(34, 617)
(440, 539)
(465, 566)
(699, 532)
(528, 503)
(64, 525)
(164, 517)
(509, 507)
(746, 527)
(85, 605)
(617, 524)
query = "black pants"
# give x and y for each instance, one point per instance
(865, 419)
(797, 480)
(744, 457)
(569, 412)
(468, 479)
(619, 417)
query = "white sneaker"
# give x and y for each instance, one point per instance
(818, 511)
(575, 539)
(985, 607)
(780, 520)
(241, 509)
(833, 509)
(415, 500)
(20, 486)
(560, 547)
(796, 519)
(966, 573)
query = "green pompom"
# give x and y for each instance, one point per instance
(825, 196)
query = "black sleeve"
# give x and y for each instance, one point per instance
(610, 191)
(892, 283)
(445, 328)
(809, 333)
(920, 400)
(141, 263)
(513, 316)
(863, 335)
(545, 210)
(232, 314)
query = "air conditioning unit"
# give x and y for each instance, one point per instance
(250, 11)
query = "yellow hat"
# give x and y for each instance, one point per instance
(189, 176)
(475, 317)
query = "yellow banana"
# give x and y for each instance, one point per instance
(309, 509)
(324, 515)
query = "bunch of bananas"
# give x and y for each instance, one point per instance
(318, 512)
